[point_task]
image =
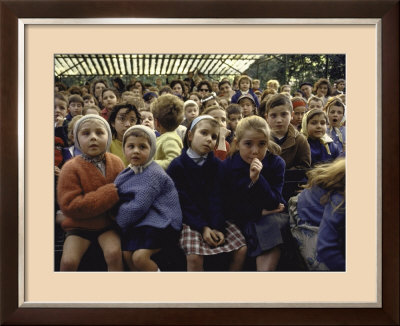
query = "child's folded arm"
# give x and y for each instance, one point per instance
(171, 149)
(77, 205)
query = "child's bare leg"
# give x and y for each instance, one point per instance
(194, 263)
(268, 261)
(73, 250)
(128, 258)
(142, 260)
(110, 243)
(238, 258)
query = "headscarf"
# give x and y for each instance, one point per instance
(88, 117)
(152, 137)
(325, 139)
(327, 108)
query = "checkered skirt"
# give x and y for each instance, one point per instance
(192, 241)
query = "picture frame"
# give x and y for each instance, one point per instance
(10, 139)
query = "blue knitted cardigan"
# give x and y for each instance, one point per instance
(147, 199)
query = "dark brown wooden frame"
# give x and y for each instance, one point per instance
(11, 11)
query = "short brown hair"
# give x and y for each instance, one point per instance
(75, 98)
(168, 110)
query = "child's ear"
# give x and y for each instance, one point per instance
(190, 136)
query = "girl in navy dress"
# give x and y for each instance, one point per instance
(252, 179)
(149, 213)
(322, 147)
(335, 110)
(205, 229)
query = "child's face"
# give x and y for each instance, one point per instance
(315, 105)
(123, 121)
(322, 90)
(139, 86)
(286, 89)
(109, 100)
(316, 127)
(147, 119)
(92, 137)
(75, 108)
(211, 102)
(196, 99)
(92, 111)
(177, 89)
(220, 116)
(136, 92)
(278, 119)
(253, 145)
(233, 120)
(60, 109)
(335, 115)
(256, 84)
(340, 86)
(244, 85)
(88, 102)
(191, 112)
(298, 114)
(204, 138)
(247, 107)
(224, 103)
(98, 89)
(137, 150)
(71, 138)
(307, 90)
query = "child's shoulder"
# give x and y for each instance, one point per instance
(114, 159)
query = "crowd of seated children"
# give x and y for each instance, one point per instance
(233, 168)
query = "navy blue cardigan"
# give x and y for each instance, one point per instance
(244, 203)
(319, 153)
(199, 191)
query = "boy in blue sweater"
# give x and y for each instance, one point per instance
(149, 212)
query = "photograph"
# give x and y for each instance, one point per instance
(172, 131)
(272, 94)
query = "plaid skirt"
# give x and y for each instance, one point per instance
(192, 241)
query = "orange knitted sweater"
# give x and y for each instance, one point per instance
(85, 196)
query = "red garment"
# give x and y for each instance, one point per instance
(58, 146)
(222, 155)
(85, 196)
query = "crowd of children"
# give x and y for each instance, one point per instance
(211, 168)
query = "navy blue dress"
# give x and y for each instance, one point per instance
(243, 201)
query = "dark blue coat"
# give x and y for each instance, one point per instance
(244, 203)
(319, 153)
(199, 191)
(238, 94)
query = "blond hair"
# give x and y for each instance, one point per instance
(329, 176)
(257, 124)
(168, 110)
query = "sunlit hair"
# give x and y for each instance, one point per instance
(136, 101)
(214, 123)
(278, 100)
(315, 99)
(268, 91)
(60, 96)
(320, 82)
(91, 107)
(212, 108)
(329, 176)
(168, 110)
(283, 86)
(272, 83)
(71, 124)
(257, 124)
(165, 90)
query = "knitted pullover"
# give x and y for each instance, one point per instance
(148, 198)
(85, 196)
